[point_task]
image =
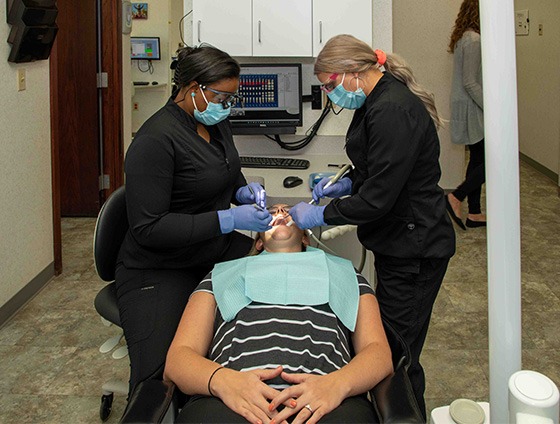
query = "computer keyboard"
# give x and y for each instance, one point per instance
(268, 162)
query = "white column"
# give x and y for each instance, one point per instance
(502, 189)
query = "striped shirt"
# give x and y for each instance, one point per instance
(302, 339)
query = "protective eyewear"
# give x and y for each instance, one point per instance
(226, 98)
(330, 84)
(273, 210)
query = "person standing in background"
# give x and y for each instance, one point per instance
(467, 117)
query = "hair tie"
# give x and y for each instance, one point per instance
(381, 57)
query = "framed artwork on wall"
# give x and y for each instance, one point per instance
(139, 10)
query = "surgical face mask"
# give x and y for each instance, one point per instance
(213, 114)
(347, 99)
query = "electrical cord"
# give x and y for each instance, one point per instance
(181, 27)
(150, 68)
(309, 134)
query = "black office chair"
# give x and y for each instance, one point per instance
(110, 229)
(156, 401)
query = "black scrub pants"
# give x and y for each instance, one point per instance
(406, 291)
(474, 178)
(151, 303)
(202, 409)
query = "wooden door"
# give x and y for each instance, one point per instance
(76, 124)
(75, 69)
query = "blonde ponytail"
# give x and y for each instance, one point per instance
(397, 67)
(345, 54)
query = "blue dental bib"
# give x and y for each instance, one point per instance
(302, 278)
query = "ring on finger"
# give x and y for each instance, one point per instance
(309, 408)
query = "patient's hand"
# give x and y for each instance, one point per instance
(246, 393)
(322, 393)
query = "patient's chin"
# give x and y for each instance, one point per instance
(281, 232)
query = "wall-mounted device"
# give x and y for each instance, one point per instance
(126, 17)
(33, 29)
(145, 48)
(271, 99)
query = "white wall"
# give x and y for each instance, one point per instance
(538, 76)
(421, 33)
(26, 224)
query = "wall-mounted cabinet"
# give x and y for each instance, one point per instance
(278, 28)
(226, 24)
(333, 17)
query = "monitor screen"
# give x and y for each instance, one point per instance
(145, 48)
(271, 102)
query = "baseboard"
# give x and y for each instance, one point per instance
(541, 168)
(26, 294)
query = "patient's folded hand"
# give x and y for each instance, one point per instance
(246, 392)
(316, 396)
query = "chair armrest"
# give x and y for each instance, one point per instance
(394, 399)
(152, 401)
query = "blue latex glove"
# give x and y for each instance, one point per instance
(342, 187)
(244, 217)
(307, 216)
(252, 193)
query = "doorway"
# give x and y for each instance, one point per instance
(86, 120)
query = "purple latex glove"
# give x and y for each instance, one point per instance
(307, 216)
(244, 217)
(252, 193)
(342, 187)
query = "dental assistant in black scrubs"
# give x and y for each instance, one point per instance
(393, 192)
(182, 174)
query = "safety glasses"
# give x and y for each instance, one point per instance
(226, 98)
(330, 84)
(273, 210)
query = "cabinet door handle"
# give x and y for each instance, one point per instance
(259, 31)
(320, 32)
(199, 22)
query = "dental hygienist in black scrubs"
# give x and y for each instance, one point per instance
(182, 174)
(393, 192)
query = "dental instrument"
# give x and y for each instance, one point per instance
(334, 179)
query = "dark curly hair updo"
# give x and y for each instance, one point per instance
(204, 64)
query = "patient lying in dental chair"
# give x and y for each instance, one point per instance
(288, 334)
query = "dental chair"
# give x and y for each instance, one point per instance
(110, 230)
(156, 401)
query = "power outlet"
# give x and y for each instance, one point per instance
(21, 79)
(316, 97)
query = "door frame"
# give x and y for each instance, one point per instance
(112, 105)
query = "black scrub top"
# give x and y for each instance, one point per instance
(396, 201)
(175, 183)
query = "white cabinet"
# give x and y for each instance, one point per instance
(224, 24)
(333, 17)
(282, 28)
(278, 28)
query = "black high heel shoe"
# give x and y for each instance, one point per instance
(454, 217)
(475, 224)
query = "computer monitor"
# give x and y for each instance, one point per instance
(272, 99)
(145, 48)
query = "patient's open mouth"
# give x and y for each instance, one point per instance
(279, 220)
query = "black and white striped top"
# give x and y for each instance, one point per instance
(303, 339)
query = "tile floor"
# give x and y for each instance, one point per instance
(51, 370)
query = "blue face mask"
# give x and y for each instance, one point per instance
(347, 99)
(213, 114)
